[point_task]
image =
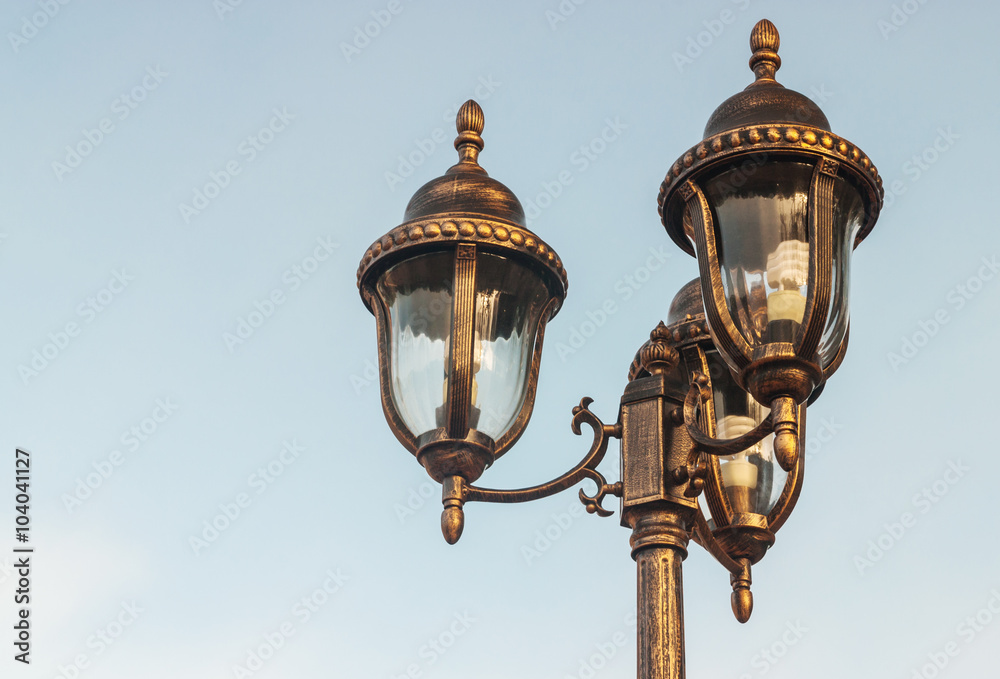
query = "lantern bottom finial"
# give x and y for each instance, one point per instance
(452, 516)
(742, 597)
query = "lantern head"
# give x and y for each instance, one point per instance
(772, 203)
(461, 292)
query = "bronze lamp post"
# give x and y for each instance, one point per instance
(771, 203)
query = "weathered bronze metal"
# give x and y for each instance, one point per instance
(456, 492)
(738, 540)
(466, 212)
(768, 123)
(666, 421)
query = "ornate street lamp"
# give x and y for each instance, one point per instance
(771, 203)
(461, 292)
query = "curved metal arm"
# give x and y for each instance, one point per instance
(455, 492)
(586, 469)
(714, 446)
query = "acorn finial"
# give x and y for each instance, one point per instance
(657, 356)
(764, 41)
(469, 123)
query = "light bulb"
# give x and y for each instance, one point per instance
(787, 271)
(737, 470)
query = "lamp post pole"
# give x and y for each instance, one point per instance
(659, 545)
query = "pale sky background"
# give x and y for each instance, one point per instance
(301, 382)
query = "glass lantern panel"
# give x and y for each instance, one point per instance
(752, 479)
(510, 298)
(761, 231)
(418, 294)
(848, 218)
(761, 214)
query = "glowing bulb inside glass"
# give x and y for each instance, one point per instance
(787, 272)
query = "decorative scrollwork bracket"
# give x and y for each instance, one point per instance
(456, 492)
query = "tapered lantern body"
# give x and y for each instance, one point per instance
(461, 292)
(748, 493)
(751, 479)
(772, 203)
(763, 242)
(508, 299)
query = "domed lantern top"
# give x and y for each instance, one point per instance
(461, 292)
(765, 101)
(772, 203)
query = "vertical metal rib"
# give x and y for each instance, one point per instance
(820, 258)
(463, 336)
(729, 338)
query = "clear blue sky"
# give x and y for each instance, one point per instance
(230, 167)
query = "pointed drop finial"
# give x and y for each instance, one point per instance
(452, 523)
(764, 41)
(453, 497)
(469, 123)
(742, 597)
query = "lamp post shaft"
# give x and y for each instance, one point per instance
(659, 546)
